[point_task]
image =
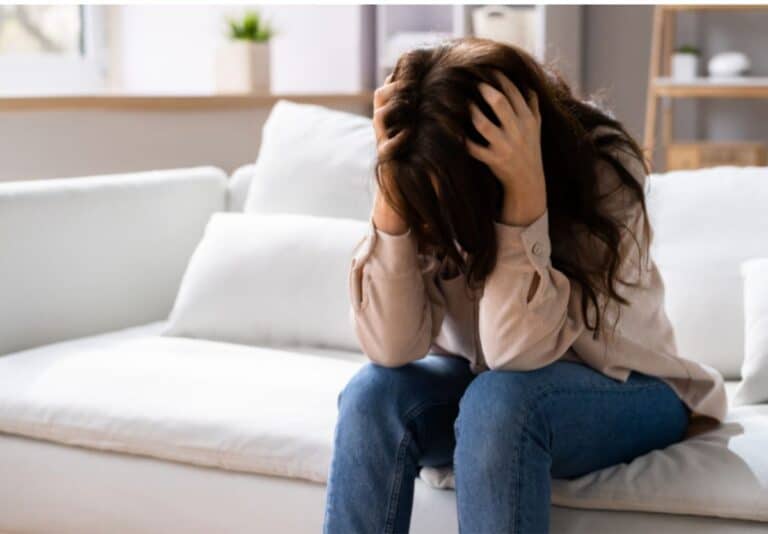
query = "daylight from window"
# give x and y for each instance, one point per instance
(40, 29)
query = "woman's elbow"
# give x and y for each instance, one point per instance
(388, 351)
(393, 356)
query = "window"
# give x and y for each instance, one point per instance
(51, 49)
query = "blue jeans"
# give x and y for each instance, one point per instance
(506, 433)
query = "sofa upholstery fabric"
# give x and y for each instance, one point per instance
(706, 222)
(140, 495)
(314, 160)
(266, 280)
(753, 388)
(272, 412)
(94, 254)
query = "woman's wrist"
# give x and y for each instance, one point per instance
(522, 209)
(386, 219)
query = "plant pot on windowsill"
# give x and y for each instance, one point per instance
(242, 63)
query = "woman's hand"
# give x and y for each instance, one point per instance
(385, 218)
(514, 151)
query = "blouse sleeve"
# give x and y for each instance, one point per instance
(396, 307)
(519, 330)
(523, 331)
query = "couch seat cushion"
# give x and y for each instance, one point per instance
(720, 473)
(208, 403)
(272, 411)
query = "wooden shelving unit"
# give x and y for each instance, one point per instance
(663, 89)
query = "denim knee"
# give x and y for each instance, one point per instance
(370, 394)
(497, 408)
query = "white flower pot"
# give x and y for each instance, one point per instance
(684, 66)
(242, 67)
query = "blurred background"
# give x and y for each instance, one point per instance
(102, 89)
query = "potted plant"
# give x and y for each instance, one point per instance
(685, 62)
(242, 63)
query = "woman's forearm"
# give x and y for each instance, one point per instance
(386, 218)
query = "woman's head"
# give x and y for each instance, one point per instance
(451, 201)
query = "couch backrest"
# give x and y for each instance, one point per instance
(706, 223)
(87, 255)
(237, 188)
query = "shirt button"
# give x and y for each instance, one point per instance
(538, 249)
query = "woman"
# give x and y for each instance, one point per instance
(506, 298)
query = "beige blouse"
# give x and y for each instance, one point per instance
(404, 307)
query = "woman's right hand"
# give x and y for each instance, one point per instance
(385, 218)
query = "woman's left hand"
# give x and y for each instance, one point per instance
(514, 151)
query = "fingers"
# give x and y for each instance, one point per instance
(499, 103)
(483, 124)
(513, 94)
(379, 114)
(382, 105)
(385, 92)
(385, 146)
(533, 103)
(522, 108)
(480, 152)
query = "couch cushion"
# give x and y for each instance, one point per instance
(270, 279)
(273, 412)
(706, 223)
(315, 161)
(208, 403)
(720, 473)
(754, 372)
(98, 253)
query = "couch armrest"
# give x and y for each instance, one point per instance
(80, 256)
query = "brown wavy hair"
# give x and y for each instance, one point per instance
(451, 201)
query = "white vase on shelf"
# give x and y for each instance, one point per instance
(729, 65)
(243, 67)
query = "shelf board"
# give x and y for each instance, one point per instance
(743, 87)
(170, 102)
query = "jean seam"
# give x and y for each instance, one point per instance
(409, 416)
(329, 493)
(549, 391)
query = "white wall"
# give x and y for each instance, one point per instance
(172, 48)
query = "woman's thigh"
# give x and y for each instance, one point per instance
(420, 398)
(586, 420)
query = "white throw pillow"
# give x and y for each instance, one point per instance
(753, 388)
(706, 223)
(314, 161)
(269, 280)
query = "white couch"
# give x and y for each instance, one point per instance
(106, 426)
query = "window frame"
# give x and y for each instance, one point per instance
(66, 73)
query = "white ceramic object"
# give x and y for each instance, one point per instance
(401, 42)
(728, 64)
(684, 66)
(242, 67)
(511, 25)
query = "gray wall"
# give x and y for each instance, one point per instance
(616, 52)
(58, 144)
